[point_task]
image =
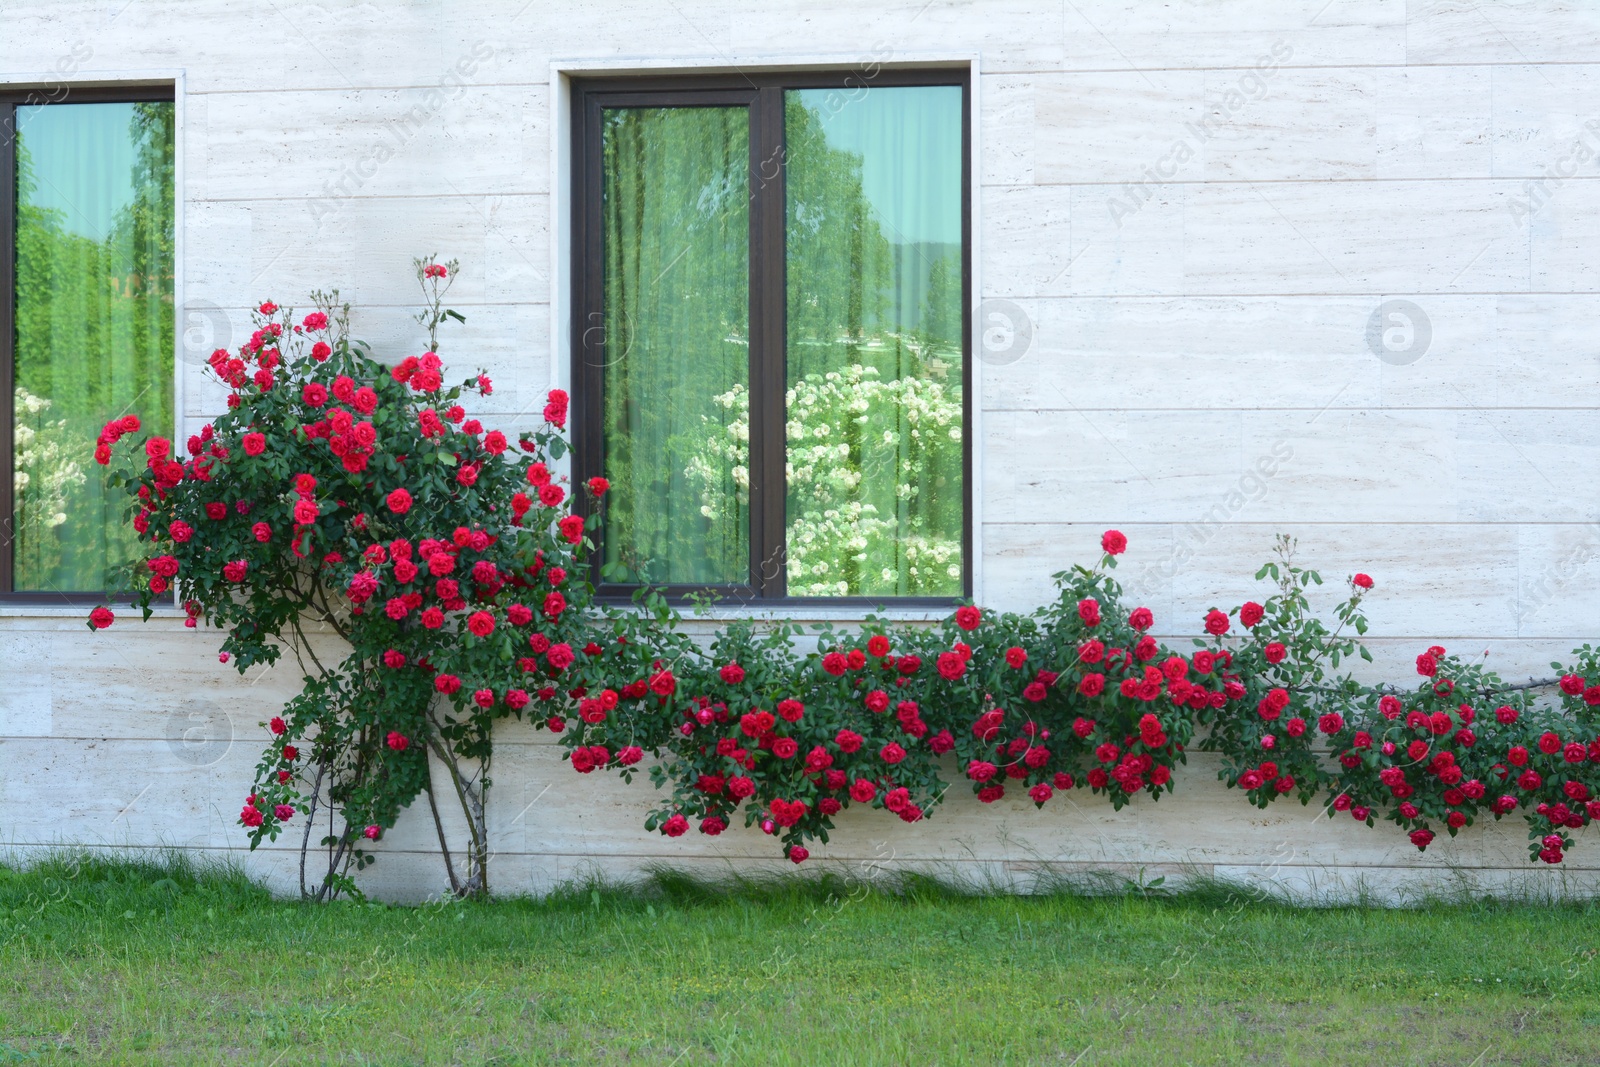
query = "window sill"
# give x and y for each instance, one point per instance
(15, 609)
(852, 614)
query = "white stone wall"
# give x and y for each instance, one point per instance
(1302, 162)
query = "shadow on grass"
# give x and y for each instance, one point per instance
(111, 878)
(102, 880)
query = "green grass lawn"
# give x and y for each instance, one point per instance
(128, 963)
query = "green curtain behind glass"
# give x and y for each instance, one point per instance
(874, 232)
(94, 321)
(675, 222)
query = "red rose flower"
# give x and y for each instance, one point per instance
(397, 741)
(1141, 619)
(101, 617)
(676, 826)
(481, 623)
(1361, 581)
(848, 740)
(1275, 652)
(399, 501)
(968, 617)
(951, 666)
(1113, 543)
(892, 753)
(555, 411)
(1250, 614)
(1089, 611)
(1216, 622)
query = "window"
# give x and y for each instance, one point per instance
(770, 332)
(86, 319)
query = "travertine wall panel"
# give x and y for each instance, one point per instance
(1197, 210)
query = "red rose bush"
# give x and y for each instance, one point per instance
(430, 576)
(340, 495)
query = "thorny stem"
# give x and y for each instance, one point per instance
(1490, 690)
(444, 847)
(311, 820)
(433, 295)
(472, 807)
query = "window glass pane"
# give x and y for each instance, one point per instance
(876, 500)
(675, 221)
(93, 325)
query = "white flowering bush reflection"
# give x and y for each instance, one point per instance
(45, 474)
(874, 480)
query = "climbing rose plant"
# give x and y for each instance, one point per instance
(430, 577)
(340, 497)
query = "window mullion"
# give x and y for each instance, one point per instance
(8, 251)
(768, 324)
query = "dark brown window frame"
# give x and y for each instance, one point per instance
(12, 97)
(762, 93)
